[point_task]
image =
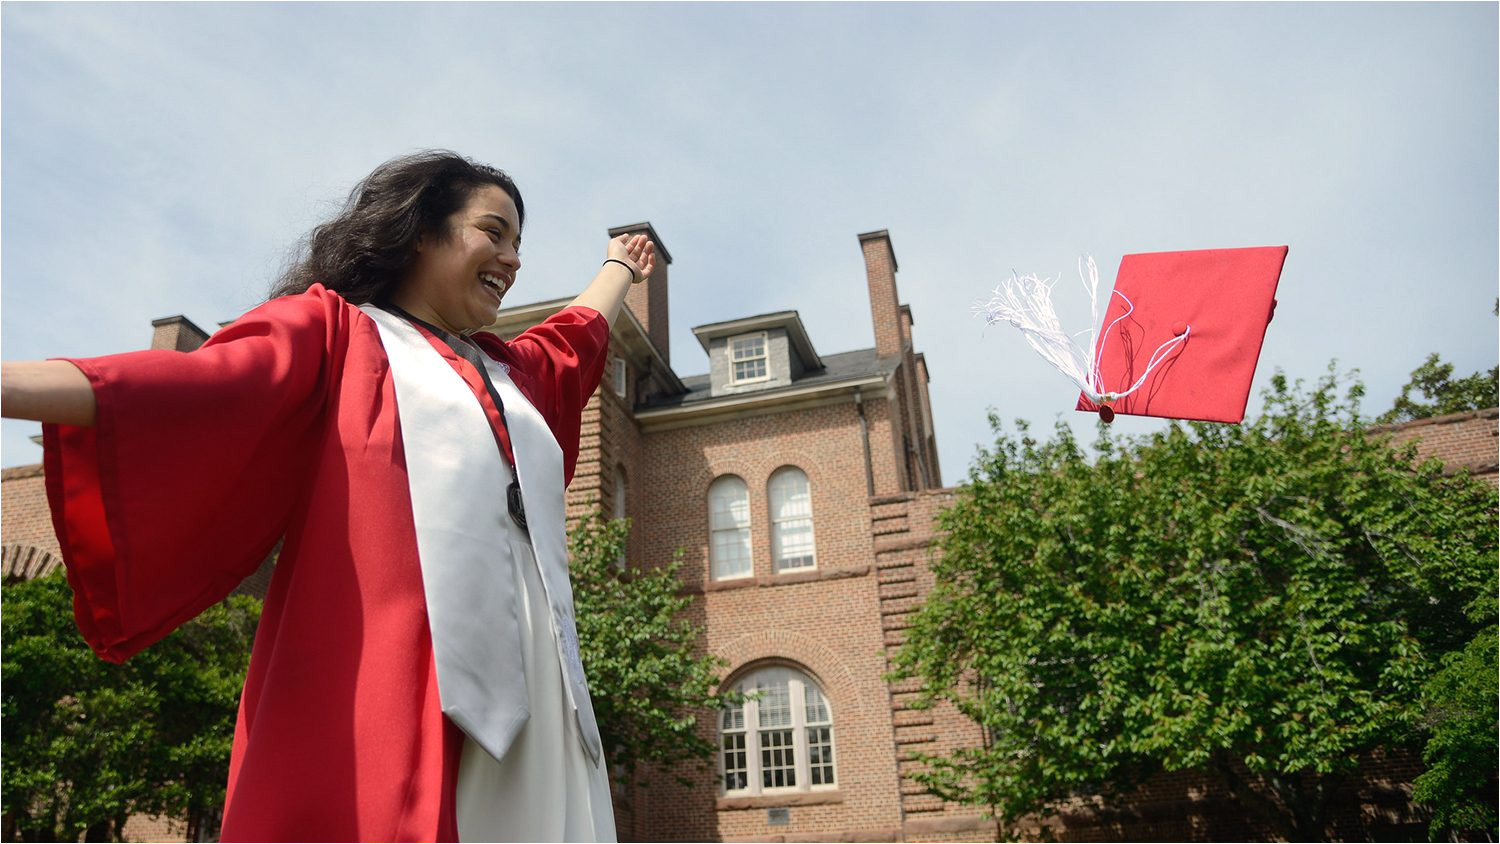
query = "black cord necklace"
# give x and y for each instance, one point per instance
(466, 349)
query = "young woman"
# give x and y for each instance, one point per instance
(415, 674)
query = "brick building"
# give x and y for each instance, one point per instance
(802, 487)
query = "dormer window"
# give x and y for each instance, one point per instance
(748, 358)
(757, 354)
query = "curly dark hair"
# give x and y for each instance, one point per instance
(365, 251)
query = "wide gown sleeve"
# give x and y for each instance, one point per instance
(188, 477)
(560, 362)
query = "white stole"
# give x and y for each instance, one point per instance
(458, 478)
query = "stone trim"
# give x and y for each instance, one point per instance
(772, 801)
(765, 581)
(27, 562)
(938, 826)
(1447, 419)
(811, 657)
(16, 473)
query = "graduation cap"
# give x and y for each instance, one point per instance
(1180, 338)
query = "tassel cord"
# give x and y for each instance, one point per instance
(1026, 303)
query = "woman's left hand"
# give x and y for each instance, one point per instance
(636, 250)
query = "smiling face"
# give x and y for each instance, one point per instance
(458, 281)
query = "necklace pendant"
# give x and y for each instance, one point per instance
(515, 505)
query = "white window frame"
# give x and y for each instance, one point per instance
(779, 522)
(715, 528)
(618, 365)
(797, 684)
(764, 357)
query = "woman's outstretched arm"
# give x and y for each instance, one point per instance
(46, 391)
(630, 259)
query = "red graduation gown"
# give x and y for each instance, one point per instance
(284, 424)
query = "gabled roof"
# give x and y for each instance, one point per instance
(788, 320)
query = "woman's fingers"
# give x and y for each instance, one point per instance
(635, 249)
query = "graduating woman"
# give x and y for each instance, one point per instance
(415, 675)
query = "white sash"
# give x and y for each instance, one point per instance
(458, 478)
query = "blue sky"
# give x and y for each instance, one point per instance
(160, 159)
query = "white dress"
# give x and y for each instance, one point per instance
(546, 788)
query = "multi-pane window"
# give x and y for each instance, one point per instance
(779, 740)
(819, 728)
(729, 527)
(791, 520)
(747, 358)
(736, 766)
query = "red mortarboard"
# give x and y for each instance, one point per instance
(1221, 298)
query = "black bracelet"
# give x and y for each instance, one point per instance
(628, 268)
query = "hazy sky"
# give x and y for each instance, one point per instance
(162, 159)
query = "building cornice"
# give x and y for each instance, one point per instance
(1446, 419)
(759, 404)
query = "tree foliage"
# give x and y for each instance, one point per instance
(1262, 603)
(88, 743)
(639, 651)
(1460, 783)
(1442, 393)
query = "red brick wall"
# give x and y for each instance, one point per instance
(25, 520)
(1463, 441)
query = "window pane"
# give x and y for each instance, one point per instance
(733, 718)
(820, 755)
(791, 520)
(815, 706)
(794, 544)
(778, 768)
(731, 549)
(775, 703)
(736, 771)
(747, 369)
(749, 347)
(729, 504)
(729, 524)
(790, 496)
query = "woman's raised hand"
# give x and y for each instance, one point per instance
(636, 250)
(606, 293)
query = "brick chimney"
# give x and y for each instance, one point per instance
(880, 274)
(177, 333)
(648, 300)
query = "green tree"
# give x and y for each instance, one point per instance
(639, 650)
(1262, 603)
(1442, 393)
(88, 743)
(1460, 702)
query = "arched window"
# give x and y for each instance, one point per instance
(791, 520)
(729, 527)
(779, 741)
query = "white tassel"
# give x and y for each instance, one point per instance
(1026, 303)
